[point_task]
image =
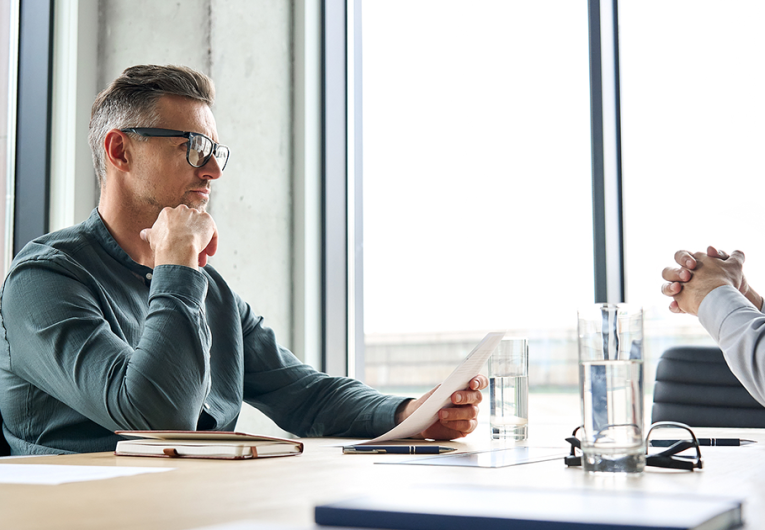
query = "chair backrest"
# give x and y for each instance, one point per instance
(695, 386)
(5, 449)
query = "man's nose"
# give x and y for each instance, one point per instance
(211, 170)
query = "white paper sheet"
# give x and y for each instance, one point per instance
(53, 474)
(427, 413)
(495, 458)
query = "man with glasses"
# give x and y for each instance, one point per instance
(712, 285)
(118, 323)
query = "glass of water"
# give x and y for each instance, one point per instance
(611, 388)
(509, 390)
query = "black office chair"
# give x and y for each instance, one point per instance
(695, 386)
(5, 449)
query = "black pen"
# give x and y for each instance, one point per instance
(720, 442)
(396, 449)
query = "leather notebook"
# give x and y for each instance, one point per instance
(204, 444)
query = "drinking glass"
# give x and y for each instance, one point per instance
(611, 387)
(509, 390)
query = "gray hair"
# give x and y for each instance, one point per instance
(131, 101)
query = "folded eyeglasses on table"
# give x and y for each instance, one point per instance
(667, 457)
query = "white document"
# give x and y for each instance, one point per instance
(53, 474)
(495, 458)
(427, 414)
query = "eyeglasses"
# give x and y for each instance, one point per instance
(664, 441)
(199, 148)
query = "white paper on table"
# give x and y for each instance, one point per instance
(427, 413)
(53, 475)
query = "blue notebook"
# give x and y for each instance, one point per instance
(458, 508)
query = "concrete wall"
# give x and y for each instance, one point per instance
(246, 47)
(251, 65)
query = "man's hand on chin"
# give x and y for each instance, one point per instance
(454, 421)
(182, 236)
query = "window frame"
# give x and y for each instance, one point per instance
(31, 171)
(334, 188)
(605, 127)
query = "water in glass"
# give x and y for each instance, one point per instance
(509, 407)
(612, 409)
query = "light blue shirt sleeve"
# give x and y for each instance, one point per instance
(738, 327)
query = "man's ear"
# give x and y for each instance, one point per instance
(117, 146)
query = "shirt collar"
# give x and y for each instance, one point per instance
(95, 225)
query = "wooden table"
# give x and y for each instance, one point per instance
(278, 491)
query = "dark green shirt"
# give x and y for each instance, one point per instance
(92, 342)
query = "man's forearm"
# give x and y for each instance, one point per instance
(172, 360)
(80, 352)
(300, 399)
(739, 329)
(404, 410)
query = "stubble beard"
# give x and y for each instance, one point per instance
(200, 205)
(157, 206)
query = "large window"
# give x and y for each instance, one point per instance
(692, 109)
(477, 196)
(477, 178)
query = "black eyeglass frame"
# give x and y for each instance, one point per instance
(668, 458)
(153, 132)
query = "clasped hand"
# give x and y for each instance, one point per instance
(454, 421)
(699, 274)
(182, 236)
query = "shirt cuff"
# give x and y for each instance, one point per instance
(718, 305)
(384, 416)
(181, 281)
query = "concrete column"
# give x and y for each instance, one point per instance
(252, 203)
